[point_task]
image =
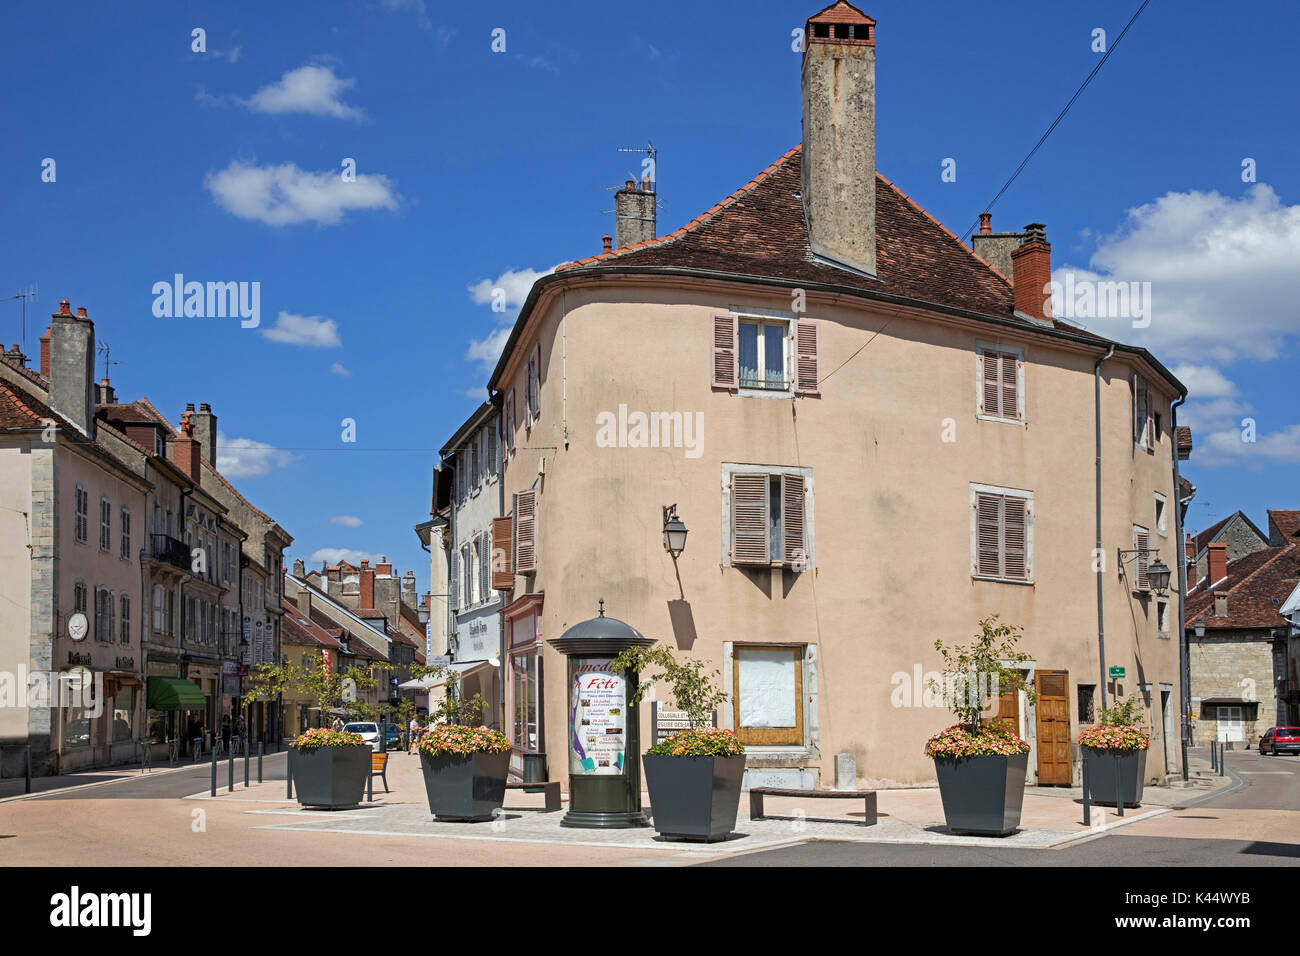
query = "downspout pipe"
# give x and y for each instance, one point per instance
(1184, 675)
(1099, 553)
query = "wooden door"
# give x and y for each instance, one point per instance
(1008, 707)
(1053, 726)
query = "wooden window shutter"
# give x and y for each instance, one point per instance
(792, 519)
(1010, 385)
(510, 420)
(484, 566)
(455, 579)
(750, 534)
(536, 388)
(526, 532)
(503, 578)
(1142, 541)
(1014, 563)
(805, 362)
(989, 383)
(988, 561)
(1139, 411)
(1151, 418)
(724, 351)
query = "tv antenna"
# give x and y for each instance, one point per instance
(651, 161)
(28, 293)
(103, 348)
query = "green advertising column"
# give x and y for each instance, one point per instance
(604, 729)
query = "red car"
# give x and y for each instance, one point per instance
(1280, 740)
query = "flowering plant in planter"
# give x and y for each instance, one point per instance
(319, 737)
(1118, 729)
(706, 742)
(459, 740)
(996, 739)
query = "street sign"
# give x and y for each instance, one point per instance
(77, 626)
(1117, 672)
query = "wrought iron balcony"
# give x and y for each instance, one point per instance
(170, 550)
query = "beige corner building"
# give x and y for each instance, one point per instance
(875, 439)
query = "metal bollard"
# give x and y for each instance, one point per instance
(1214, 755)
(1119, 802)
(370, 787)
(259, 761)
(1087, 802)
(245, 765)
(214, 773)
(1223, 757)
(230, 774)
(27, 782)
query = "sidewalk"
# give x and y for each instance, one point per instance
(1051, 817)
(11, 787)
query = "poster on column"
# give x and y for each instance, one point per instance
(597, 717)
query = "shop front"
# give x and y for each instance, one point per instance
(175, 708)
(523, 680)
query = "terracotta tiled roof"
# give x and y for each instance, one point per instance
(1185, 488)
(1184, 438)
(1256, 586)
(1287, 522)
(295, 629)
(30, 374)
(760, 231)
(18, 409)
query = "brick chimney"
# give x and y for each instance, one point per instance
(45, 353)
(1217, 564)
(205, 430)
(185, 449)
(71, 367)
(1031, 264)
(367, 586)
(995, 248)
(839, 136)
(104, 393)
(606, 243)
(634, 214)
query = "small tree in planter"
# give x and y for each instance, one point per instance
(1116, 754)
(981, 764)
(330, 768)
(694, 777)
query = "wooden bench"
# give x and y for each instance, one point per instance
(756, 795)
(549, 787)
(379, 767)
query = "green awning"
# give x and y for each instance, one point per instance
(169, 693)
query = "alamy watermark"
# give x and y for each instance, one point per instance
(651, 430)
(45, 689)
(211, 300)
(1100, 299)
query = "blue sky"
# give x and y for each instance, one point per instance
(476, 165)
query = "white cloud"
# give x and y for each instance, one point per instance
(312, 331)
(314, 90)
(338, 369)
(487, 351)
(1222, 274)
(283, 195)
(416, 6)
(335, 555)
(1204, 381)
(347, 521)
(245, 458)
(513, 283)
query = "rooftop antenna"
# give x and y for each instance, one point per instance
(28, 293)
(649, 165)
(103, 348)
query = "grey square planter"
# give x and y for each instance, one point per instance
(982, 796)
(694, 798)
(331, 777)
(1104, 766)
(465, 788)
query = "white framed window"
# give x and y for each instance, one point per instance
(1144, 415)
(1000, 383)
(1001, 534)
(82, 514)
(767, 516)
(1162, 515)
(763, 351)
(1163, 617)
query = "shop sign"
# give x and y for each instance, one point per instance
(125, 663)
(75, 659)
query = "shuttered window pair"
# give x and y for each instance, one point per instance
(1002, 537)
(768, 520)
(525, 532)
(1141, 542)
(1144, 415)
(756, 353)
(1000, 394)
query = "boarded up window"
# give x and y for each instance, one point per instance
(768, 701)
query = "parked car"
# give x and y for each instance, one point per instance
(1280, 740)
(394, 737)
(368, 730)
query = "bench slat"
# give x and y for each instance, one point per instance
(824, 794)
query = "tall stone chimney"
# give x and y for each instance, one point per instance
(1032, 263)
(205, 430)
(408, 590)
(367, 586)
(1217, 564)
(72, 367)
(634, 214)
(105, 394)
(839, 136)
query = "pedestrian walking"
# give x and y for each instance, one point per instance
(412, 733)
(337, 725)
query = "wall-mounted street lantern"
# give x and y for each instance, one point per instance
(674, 532)
(1200, 627)
(1157, 572)
(423, 611)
